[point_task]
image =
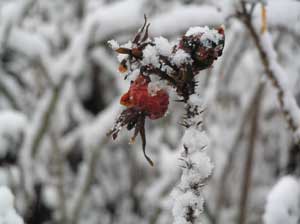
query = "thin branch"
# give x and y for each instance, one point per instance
(9, 96)
(85, 186)
(248, 169)
(233, 151)
(46, 118)
(60, 175)
(286, 100)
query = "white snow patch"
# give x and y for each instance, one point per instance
(163, 46)
(8, 214)
(181, 57)
(113, 44)
(12, 123)
(150, 56)
(154, 87)
(206, 33)
(183, 202)
(194, 139)
(283, 202)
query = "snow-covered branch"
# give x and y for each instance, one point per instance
(275, 73)
(196, 168)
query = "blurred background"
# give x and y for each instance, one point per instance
(59, 96)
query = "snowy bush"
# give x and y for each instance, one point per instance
(219, 141)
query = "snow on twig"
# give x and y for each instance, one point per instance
(275, 73)
(196, 168)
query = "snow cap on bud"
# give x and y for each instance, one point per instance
(204, 45)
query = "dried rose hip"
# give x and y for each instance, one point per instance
(176, 64)
(154, 105)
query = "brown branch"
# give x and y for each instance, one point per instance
(247, 175)
(246, 18)
(86, 186)
(57, 153)
(233, 152)
(46, 118)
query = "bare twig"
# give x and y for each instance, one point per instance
(60, 175)
(86, 185)
(46, 118)
(233, 151)
(247, 175)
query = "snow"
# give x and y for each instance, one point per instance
(205, 32)
(163, 46)
(181, 57)
(51, 39)
(154, 87)
(150, 56)
(194, 139)
(196, 168)
(113, 44)
(289, 101)
(180, 17)
(283, 202)
(8, 214)
(184, 201)
(280, 13)
(12, 124)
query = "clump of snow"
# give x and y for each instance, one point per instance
(163, 46)
(181, 57)
(283, 202)
(113, 44)
(12, 123)
(185, 202)
(154, 87)
(50, 196)
(150, 56)
(205, 32)
(8, 214)
(134, 74)
(195, 100)
(194, 139)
